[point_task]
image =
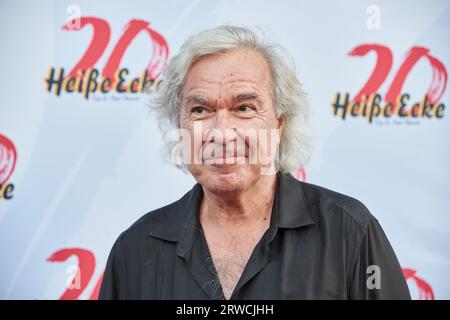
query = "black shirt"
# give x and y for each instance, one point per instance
(320, 245)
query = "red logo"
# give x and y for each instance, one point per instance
(8, 157)
(85, 79)
(83, 272)
(300, 174)
(369, 103)
(425, 290)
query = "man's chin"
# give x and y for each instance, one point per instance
(228, 177)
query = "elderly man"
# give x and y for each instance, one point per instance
(247, 229)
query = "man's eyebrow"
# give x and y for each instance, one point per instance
(195, 99)
(248, 96)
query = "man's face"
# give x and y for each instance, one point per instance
(228, 111)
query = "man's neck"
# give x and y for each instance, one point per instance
(251, 205)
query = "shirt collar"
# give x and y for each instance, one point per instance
(293, 208)
(179, 222)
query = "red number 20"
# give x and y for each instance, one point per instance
(100, 40)
(384, 64)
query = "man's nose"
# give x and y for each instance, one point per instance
(223, 129)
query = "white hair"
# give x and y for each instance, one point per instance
(288, 96)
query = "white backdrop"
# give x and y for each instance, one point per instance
(76, 172)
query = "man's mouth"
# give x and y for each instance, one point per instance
(229, 160)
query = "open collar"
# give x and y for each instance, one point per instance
(179, 222)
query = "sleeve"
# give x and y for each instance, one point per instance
(110, 288)
(376, 271)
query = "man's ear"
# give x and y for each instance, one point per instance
(281, 122)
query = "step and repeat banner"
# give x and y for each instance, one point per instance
(80, 152)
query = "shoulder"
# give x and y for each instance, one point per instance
(326, 204)
(163, 223)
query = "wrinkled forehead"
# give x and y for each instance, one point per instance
(237, 69)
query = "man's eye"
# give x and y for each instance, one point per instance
(245, 108)
(198, 110)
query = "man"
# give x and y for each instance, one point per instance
(247, 229)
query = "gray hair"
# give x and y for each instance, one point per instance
(288, 95)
